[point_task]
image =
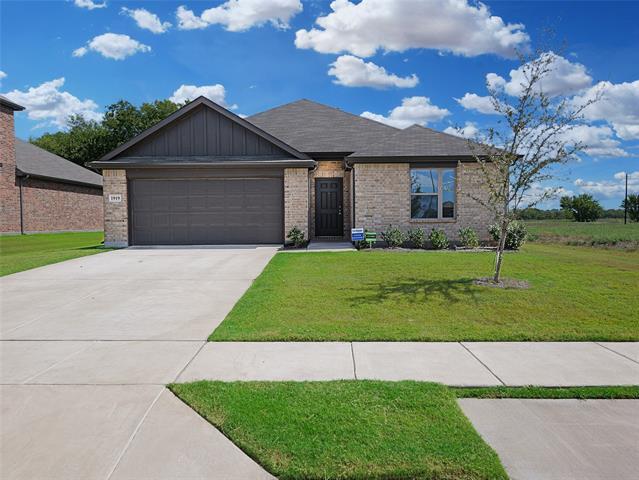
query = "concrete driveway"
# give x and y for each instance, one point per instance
(86, 347)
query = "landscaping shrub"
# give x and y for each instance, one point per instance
(515, 236)
(438, 239)
(296, 236)
(393, 237)
(417, 237)
(468, 237)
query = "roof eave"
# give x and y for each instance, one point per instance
(115, 164)
(411, 159)
(21, 173)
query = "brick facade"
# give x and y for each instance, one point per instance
(382, 198)
(296, 200)
(116, 214)
(332, 169)
(9, 193)
(57, 207)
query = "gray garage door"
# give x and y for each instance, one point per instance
(206, 211)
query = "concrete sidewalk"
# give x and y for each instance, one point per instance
(452, 363)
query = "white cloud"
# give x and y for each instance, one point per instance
(413, 110)
(48, 103)
(396, 25)
(112, 45)
(351, 71)
(216, 93)
(472, 101)
(563, 78)
(618, 105)
(90, 4)
(2, 75)
(610, 188)
(599, 140)
(541, 196)
(187, 20)
(146, 20)
(241, 15)
(469, 130)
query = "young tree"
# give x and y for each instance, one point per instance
(633, 206)
(531, 136)
(582, 208)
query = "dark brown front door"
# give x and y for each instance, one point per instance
(328, 207)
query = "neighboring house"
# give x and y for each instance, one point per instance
(206, 176)
(40, 191)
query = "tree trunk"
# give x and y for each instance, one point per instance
(500, 250)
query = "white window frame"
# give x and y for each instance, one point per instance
(440, 197)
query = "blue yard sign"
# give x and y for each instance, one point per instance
(357, 234)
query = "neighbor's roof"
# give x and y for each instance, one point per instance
(315, 128)
(4, 101)
(32, 160)
(417, 141)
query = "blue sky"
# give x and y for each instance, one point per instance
(77, 56)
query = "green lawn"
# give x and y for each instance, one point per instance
(23, 252)
(607, 232)
(582, 393)
(347, 430)
(576, 293)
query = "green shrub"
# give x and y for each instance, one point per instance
(438, 239)
(296, 236)
(393, 237)
(468, 237)
(515, 236)
(417, 237)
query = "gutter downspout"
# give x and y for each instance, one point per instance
(308, 213)
(21, 204)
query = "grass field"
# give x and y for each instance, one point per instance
(607, 232)
(23, 252)
(576, 293)
(347, 430)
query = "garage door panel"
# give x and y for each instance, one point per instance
(206, 211)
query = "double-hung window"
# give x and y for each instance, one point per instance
(432, 193)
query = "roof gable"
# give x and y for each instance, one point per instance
(315, 128)
(204, 129)
(37, 162)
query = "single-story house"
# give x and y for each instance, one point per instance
(40, 191)
(204, 175)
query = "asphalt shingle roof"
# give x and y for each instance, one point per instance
(417, 141)
(32, 160)
(315, 128)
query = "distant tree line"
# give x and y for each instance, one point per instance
(582, 208)
(87, 140)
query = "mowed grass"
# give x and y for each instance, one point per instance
(607, 232)
(576, 293)
(581, 393)
(347, 430)
(23, 252)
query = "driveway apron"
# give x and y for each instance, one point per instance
(86, 347)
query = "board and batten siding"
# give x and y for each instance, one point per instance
(204, 132)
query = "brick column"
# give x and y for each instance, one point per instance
(116, 214)
(296, 199)
(9, 191)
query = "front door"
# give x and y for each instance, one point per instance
(328, 207)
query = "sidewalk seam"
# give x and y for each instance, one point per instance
(189, 361)
(55, 364)
(485, 366)
(615, 351)
(135, 432)
(354, 364)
